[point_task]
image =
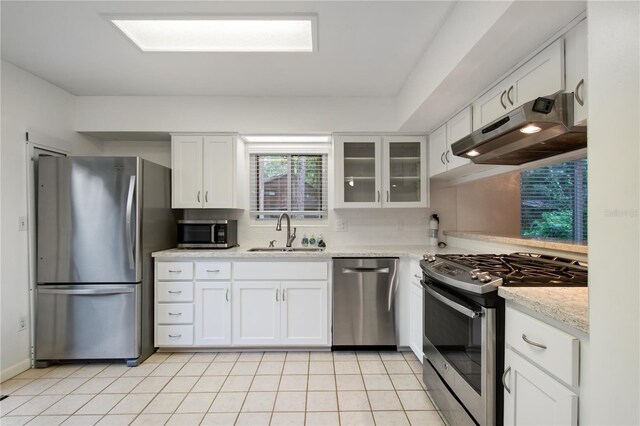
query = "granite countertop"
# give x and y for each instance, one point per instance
(570, 246)
(413, 251)
(568, 305)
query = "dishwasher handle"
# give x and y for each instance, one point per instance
(362, 270)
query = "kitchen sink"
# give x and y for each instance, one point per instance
(287, 249)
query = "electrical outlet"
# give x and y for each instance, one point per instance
(341, 225)
(22, 223)
(22, 323)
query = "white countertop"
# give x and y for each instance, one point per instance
(412, 251)
(568, 305)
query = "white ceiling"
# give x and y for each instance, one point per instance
(365, 49)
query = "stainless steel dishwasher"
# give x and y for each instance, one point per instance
(364, 294)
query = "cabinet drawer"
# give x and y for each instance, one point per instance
(175, 270)
(213, 271)
(559, 356)
(281, 271)
(174, 292)
(175, 313)
(174, 335)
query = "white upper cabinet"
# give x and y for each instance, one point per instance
(375, 172)
(358, 171)
(186, 171)
(441, 158)
(203, 171)
(218, 171)
(404, 171)
(542, 75)
(576, 70)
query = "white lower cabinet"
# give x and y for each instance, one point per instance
(242, 304)
(212, 313)
(304, 313)
(256, 313)
(415, 318)
(540, 372)
(280, 313)
(532, 397)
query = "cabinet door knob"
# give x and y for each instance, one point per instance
(284, 292)
(577, 91)
(206, 197)
(504, 379)
(277, 293)
(502, 99)
(198, 196)
(446, 155)
(442, 158)
(227, 295)
(378, 196)
(509, 95)
(387, 196)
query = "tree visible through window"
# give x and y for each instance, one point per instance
(554, 201)
(288, 183)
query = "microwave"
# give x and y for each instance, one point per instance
(207, 233)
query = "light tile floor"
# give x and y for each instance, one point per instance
(226, 388)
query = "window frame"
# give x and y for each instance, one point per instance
(579, 227)
(291, 149)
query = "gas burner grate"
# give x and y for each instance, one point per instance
(526, 269)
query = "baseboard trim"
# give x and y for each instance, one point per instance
(15, 369)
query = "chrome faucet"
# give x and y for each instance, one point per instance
(290, 237)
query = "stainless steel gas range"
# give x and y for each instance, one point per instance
(463, 340)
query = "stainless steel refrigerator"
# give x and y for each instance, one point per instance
(99, 219)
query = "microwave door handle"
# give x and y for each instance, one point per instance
(453, 305)
(128, 220)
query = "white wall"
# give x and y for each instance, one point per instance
(28, 103)
(234, 114)
(614, 224)
(157, 151)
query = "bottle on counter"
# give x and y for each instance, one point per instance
(321, 242)
(312, 241)
(434, 223)
(305, 241)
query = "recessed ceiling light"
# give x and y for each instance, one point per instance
(287, 138)
(221, 34)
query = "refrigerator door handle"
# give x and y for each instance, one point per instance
(130, 242)
(80, 292)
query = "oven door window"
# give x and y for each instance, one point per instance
(457, 336)
(194, 234)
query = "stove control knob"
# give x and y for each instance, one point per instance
(431, 259)
(474, 276)
(485, 278)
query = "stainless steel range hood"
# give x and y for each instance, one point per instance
(538, 129)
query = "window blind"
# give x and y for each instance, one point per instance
(292, 183)
(554, 201)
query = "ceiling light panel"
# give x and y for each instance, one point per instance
(269, 34)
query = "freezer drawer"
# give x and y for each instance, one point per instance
(99, 321)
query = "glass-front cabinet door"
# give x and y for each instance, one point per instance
(358, 171)
(404, 171)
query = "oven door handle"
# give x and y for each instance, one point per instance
(453, 305)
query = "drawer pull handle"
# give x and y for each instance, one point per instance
(227, 295)
(175, 271)
(213, 270)
(175, 336)
(175, 292)
(532, 343)
(504, 379)
(175, 314)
